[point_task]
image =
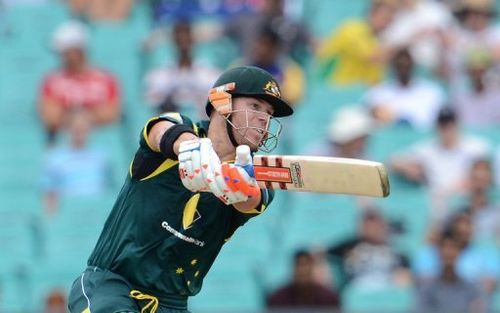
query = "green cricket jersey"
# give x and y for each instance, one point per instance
(160, 236)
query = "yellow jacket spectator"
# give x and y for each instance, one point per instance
(355, 48)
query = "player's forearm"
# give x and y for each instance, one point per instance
(183, 137)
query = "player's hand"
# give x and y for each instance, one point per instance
(197, 162)
(236, 182)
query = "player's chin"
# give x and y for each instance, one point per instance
(252, 144)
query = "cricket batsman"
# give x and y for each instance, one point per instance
(183, 198)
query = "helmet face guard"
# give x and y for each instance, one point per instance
(268, 137)
(253, 82)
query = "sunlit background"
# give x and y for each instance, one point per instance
(411, 83)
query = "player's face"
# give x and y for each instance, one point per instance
(251, 119)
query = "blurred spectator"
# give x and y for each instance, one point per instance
(348, 134)
(76, 84)
(476, 29)
(356, 47)
(477, 99)
(8, 3)
(419, 24)
(443, 162)
(77, 169)
(303, 292)
(477, 264)
(101, 10)
(448, 292)
(407, 99)
(244, 29)
(183, 85)
(368, 260)
(485, 213)
(267, 55)
(496, 167)
(56, 302)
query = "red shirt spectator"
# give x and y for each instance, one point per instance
(90, 89)
(77, 84)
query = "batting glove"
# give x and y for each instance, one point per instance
(197, 160)
(236, 182)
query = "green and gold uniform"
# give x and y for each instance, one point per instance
(159, 240)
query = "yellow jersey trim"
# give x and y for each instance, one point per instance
(188, 217)
(145, 132)
(174, 115)
(168, 163)
(255, 211)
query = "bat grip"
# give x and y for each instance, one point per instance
(243, 156)
(244, 159)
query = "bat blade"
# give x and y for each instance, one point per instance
(321, 174)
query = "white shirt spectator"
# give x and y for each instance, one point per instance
(464, 41)
(188, 87)
(496, 168)
(418, 103)
(478, 109)
(486, 225)
(447, 169)
(418, 28)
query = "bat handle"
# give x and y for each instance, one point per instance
(243, 156)
(244, 159)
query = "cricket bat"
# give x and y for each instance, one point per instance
(321, 174)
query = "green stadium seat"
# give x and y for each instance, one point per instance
(384, 300)
(323, 16)
(317, 109)
(410, 207)
(30, 26)
(393, 138)
(495, 301)
(320, 220)
(228, 290)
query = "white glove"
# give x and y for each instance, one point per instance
(196, 159)
(236, 182)
(200, 169)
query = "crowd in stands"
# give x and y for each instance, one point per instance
(431, 67)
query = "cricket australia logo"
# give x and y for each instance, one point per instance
(191, 214)
(272, 89)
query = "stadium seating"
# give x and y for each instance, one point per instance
(39, 252)
(379, 300)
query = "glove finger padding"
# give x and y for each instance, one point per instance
(238, 180)
(190, 165)
(197, 178)
(229, 194)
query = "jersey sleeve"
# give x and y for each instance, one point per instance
(147, 162)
